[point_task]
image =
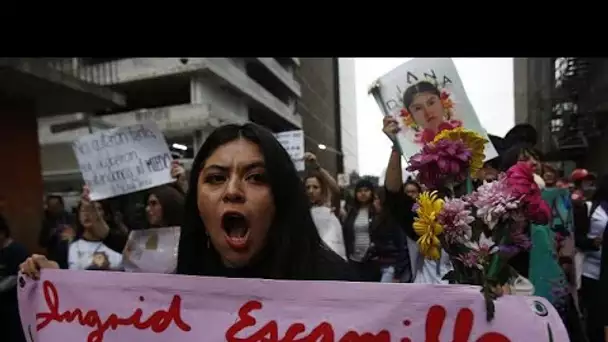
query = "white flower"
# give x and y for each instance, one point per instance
(484, 245)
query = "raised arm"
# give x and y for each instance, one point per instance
(331, 183)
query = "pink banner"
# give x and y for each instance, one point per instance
(96, 306)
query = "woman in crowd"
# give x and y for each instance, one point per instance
(591, 224)
(412, 188)
(400, 206)
(12, 253)
(246, 214)
(325, 220)
(87, 251)
(388, 248)
(547, 265)
(357, 227)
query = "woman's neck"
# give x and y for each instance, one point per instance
(89, 236)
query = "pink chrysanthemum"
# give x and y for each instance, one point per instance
(441, 160)
(456, 219)
(493, 201)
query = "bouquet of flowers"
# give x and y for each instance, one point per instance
(482, 229)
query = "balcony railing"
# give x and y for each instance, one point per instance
(90, 70)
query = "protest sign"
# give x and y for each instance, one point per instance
(88, 306)
(152, 250)
(293, 143)
(426, 96)
(123, 160)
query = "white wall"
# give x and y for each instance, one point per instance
(348, 114)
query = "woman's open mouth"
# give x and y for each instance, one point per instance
(236, 229)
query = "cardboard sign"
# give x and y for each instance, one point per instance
(293, 143)
(426, 96)
(123, 160)
(83, 306)
(152, 250)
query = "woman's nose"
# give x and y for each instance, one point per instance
(234, 191)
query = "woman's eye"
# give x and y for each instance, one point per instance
(215, 179)
(257, 178)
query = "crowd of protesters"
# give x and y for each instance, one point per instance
(244, 211)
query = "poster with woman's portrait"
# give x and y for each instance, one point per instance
(426, 96)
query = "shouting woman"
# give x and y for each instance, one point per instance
(246, 214)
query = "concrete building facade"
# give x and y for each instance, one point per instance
(186, 97)
(320, 110)
(32, 88)
(348, 114)
(564, 99)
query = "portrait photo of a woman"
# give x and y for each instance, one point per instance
(427, 111)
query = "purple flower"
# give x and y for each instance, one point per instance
(519, 238)
(445, 159)
(456, 219)
(493, 201)
(469, 259)
(415, 207)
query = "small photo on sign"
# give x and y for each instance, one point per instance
(426, 96)
(152, 250)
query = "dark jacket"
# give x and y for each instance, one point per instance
(604, 276)
(400, 207)
(581, 226)
(389, 247)
(50, 234)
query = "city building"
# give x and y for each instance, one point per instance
(186, 97)
(348, 114)
(329, 112)
(30, 89)
(564, 99)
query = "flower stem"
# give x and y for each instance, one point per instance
(469, 183)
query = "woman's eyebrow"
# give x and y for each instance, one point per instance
(246, 167)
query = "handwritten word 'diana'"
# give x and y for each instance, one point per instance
(158, 321)
(324, 332)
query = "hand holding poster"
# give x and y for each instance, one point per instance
(123, 160)
(87, 306)
(427, 96)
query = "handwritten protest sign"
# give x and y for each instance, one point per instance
(91, 306)
(293, 142)
(426, 95)
(123, 160)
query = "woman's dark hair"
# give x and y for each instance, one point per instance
(420, 87)
(515, 153)
(411, 181)
(319, 178)
(172, 202)
(601, 191)
(4, 228)
(364, 183)
(292, 241)
(521, 133)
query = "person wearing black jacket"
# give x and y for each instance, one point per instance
(357, 228)
(590, 232)
(374, 244)
(388, 248)
(603, 300)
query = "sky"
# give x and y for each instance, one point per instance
(487, 81)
